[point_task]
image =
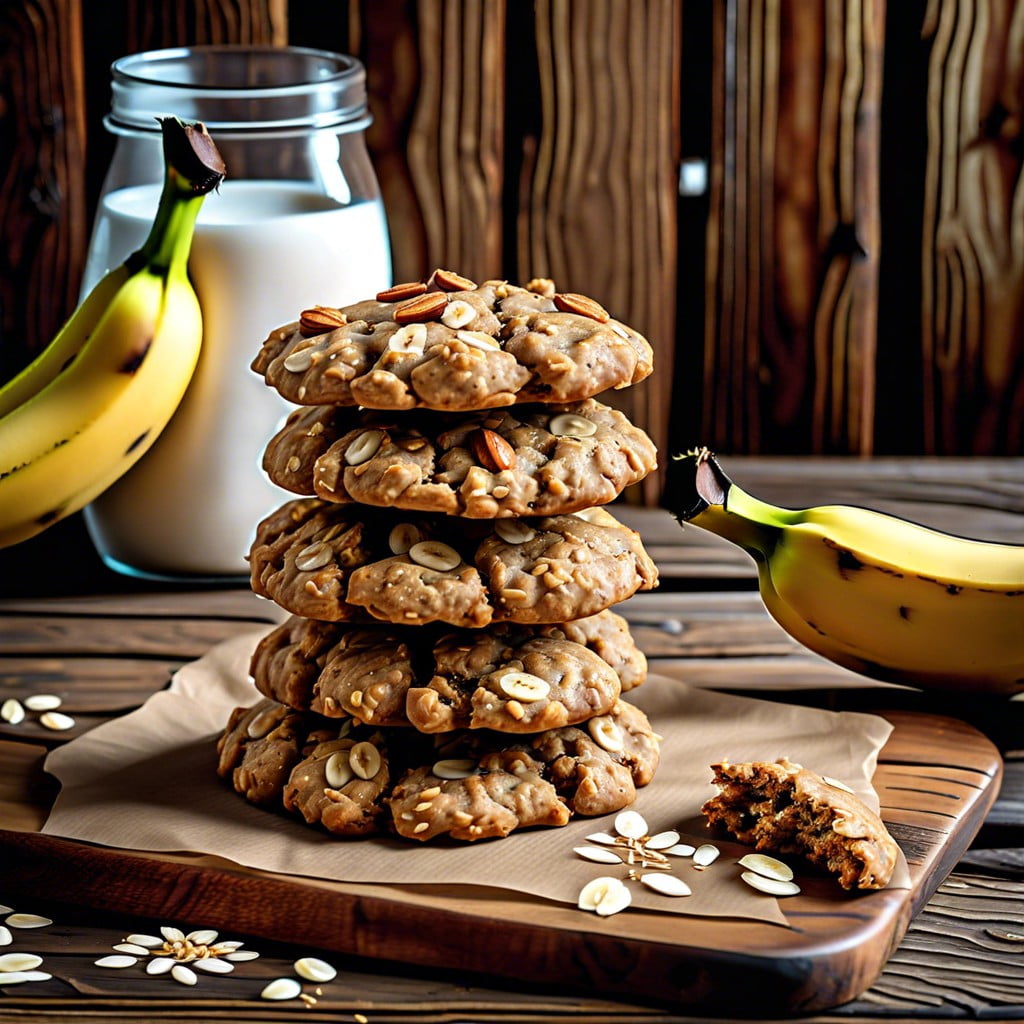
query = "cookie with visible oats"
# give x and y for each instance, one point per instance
(334, 562)
(785, 808)
(470, 798)
(450, 344)
(261, 744)
(532, 460)
(376, 674)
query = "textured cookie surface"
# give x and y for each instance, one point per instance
(782, 807)
(438, 678)
(334, 562)
(533, 460)
(450, 344)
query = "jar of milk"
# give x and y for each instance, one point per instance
(297, 222)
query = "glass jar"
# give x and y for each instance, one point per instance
(297, 222)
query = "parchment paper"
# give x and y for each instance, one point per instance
(147, 781)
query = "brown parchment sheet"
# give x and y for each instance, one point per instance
(147, 782)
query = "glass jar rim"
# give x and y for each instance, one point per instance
(239, 88)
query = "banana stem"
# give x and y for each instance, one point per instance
(193, 168)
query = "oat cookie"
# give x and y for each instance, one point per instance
(342, 670)
(533, 460)
(784, 808)
(338, 563)
(451, 344)
(261, 744)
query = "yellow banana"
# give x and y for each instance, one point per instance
(104, 405)
(883, 596)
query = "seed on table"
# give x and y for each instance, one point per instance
(19, 962)
(767, 867)
(159, 965)
(631, 825)
(705, 855)
(681, 850)
(772, 886)
(663, 841)
(202, 937)
(281, 988)
(43, 702)
(172, 934)
(184, 975)
(131, 947)
(17, 977)
(57, 721)
(242, 954)
(149, 941)
(6, 938)
(313, 969)
(598, 854)
(118, 962)
(12, 712)
(667, 885)
(28, 921)
(213, 966)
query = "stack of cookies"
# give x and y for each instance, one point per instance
(451, 664)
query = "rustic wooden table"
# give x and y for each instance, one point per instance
(105, 643)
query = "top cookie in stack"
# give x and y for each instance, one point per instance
(450, 459)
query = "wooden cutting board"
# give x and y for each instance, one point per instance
(936, 779)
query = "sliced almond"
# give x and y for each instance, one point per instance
(314, 556)
(598, 854)
(772, 886)
(428, 306)
(631, 824)
(363, 447)
(524, 686)
(604, 895)
(12, 712)
(606, 734)
(604, 838)
(338, 771)
(492, 451)
(401, 292)
(568, 424)
(514, 531)
(364, 759)
(314, 969)
(432, 554)
(667, 885)
(454, 768)
(767, 867)
(449, 281)
(582, 305)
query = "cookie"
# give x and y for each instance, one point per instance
(534, 460)
(784, 808)
(452, 345)
(320, 560)
(261, 744)
(366, 672)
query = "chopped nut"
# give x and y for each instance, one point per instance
(400, 292)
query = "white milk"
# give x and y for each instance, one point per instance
(262, 252)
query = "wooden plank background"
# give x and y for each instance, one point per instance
(852, 280)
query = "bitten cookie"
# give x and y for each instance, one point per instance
(451, 344)
(785, 808)
(337, 563)
(537, 460)
(366, 672)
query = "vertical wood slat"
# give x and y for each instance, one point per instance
(42, 123)
(973, 244)
(793, 229)
(600, 185)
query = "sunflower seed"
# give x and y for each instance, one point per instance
(667, 885)
(57, 721)
(19, 962)
(705, 855)
(772, 886)
(281, 988)
(5, 910)
(477, 339)
(12, 712)
(159, 965)
(117, 962)
(631, 825)
(313, 969)
(43, 702)
(604, 895)
(184, 975)
(27, 921)
(767, 867)
(598, 854)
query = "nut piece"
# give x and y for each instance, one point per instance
(598, 854)
(705, 855)
(477, 339)
(410, 339)
(338, 770)
(772, 886)
(403, 536)
(401, 292)
(57, 721)
(667, 885)
(582, 305)
(449, 281)
(631, 824)
(281, 988)
(492, 451)
(364, 447)
(320, 320)
(12, 712)
(43, 702)
(541, 286)
(432, 554)
(606, 733)
(523, 686)
(604, 895)
(513, 531)
(767, 867)
(314, 969)
(458, 314)
(568, 424)
(454, 768)
(314, 556)
(428, 306)
(364, 759)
